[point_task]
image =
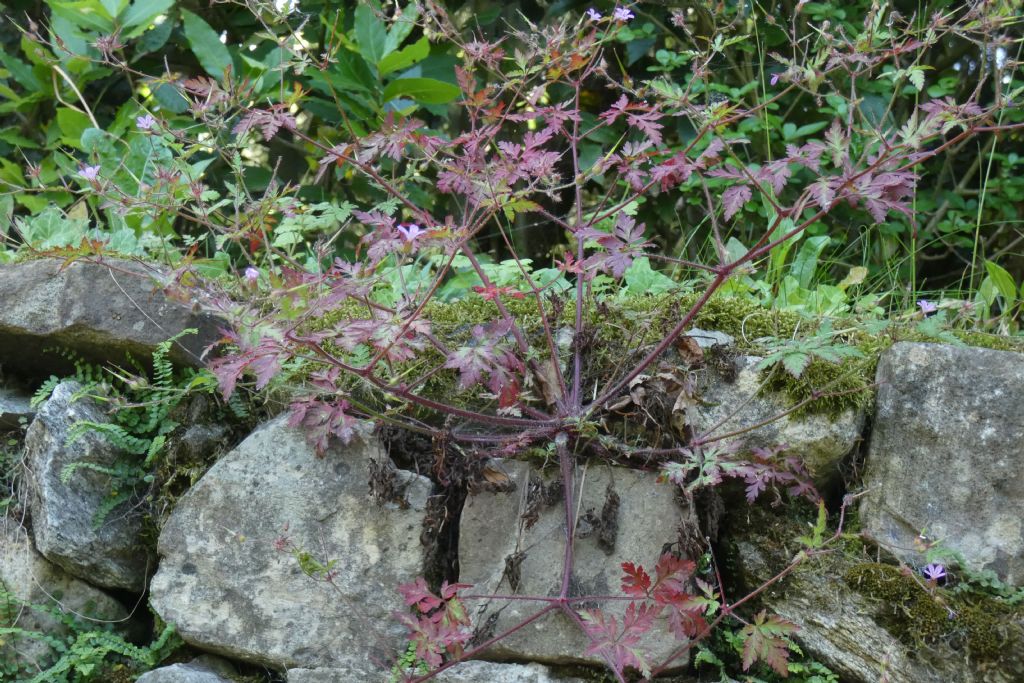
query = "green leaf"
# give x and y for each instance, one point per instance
(114, 7)
(12, 137)
(349, 72)
(1003, 281)
(806, 262)
(423, 90)
(137, 18)
(405, 57)
(796, 363)
(84, 13)
(212, 54)
(371, 35)
(401, 28)
(170, 98)
(810, 129)
(641, 279)
(154, 39)
(20, 71)
(72, 124)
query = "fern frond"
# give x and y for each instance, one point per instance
(115, 434)
(43, 393)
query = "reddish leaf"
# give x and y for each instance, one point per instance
(635, 582)
(734, 198)
(765, 641)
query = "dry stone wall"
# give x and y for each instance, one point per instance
(944, 459)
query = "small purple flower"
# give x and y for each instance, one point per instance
(934, 572)
(252, 275)
(622, 14)
(410, 232)
(145, 122)
(593, 14)
(926, 306)
(90, 173)
(775, 78)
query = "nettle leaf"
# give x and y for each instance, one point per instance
(765, 641)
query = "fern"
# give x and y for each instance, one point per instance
(115, 434)
(91, 650)
(44, 391)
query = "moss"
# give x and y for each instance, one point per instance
(621, 331)
(987, 627)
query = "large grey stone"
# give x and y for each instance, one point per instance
(101, 311)
(15, 408)
(28, 579)
(863, 629)
(204, 669)
(62, 513)
(731, 404)
(513, 541)
(226, 589)
(466, 672)
(946, 455)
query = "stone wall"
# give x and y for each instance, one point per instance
(940, 457)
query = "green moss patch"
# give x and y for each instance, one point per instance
(985, 626)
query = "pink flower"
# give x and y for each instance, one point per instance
(593, 14)
(927, 306)
(410, 232)
(775, 78)
(622, 14)
(90, 173)
(145, 122)
(252, 275)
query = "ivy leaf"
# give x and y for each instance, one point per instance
(765, 641)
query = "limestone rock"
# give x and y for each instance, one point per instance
(228, 591)
(729, 404)
(14, 408)
(865, 630)
(478, 672)
(26, 578)
(100, 311)
(512, 542)
(204, 669)
(466, 672)
(63, 513)
(945, 455)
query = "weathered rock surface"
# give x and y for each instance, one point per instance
(62, 514)
(868, 622)
(227, 590)
(15, 408)
(204, 669)
(100, 311)
(466, 672)
(946, 455)
(513, 542)
(29, 579)
(728, 406)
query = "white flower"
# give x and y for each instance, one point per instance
(410, 232)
